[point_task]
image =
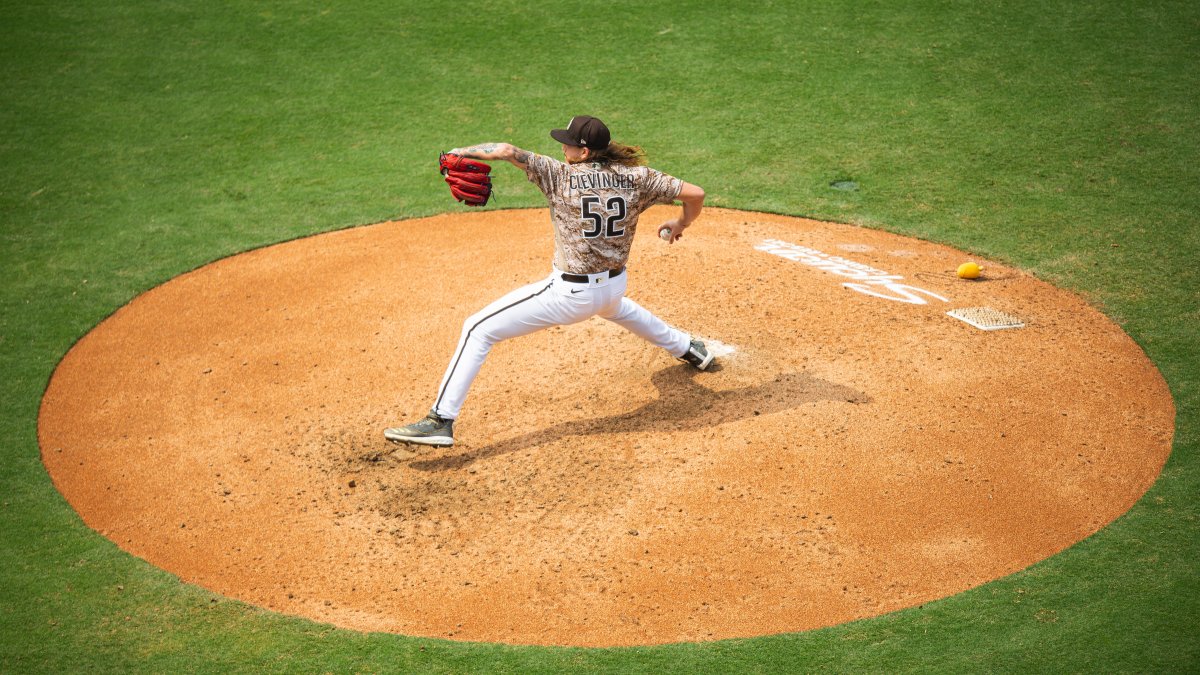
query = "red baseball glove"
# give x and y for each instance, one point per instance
(469, 180)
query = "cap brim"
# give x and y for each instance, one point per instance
(564, 137)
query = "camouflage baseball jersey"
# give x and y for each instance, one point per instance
(595, 207)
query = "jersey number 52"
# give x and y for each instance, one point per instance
(603, 222)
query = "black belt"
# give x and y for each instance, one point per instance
(583, 278)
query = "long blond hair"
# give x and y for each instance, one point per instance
(617, 153)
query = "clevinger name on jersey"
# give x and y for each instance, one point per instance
(600, 180)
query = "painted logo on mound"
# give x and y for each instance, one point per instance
(867, 279)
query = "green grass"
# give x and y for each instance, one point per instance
(143, 139)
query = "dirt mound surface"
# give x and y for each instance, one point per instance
(857, 450)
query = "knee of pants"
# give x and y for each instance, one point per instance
(484, 336)
(478, 330)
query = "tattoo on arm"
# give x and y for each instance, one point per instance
(481, 151)
(504, 151)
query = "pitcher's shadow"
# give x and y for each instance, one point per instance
(682, 405)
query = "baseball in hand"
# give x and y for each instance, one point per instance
(664, 233)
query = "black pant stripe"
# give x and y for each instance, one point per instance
(458, 355)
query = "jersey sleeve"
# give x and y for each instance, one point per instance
(544, 172)
(659, 188)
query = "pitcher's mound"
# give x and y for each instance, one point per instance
(857, 451)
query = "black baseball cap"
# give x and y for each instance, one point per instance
(584, 131)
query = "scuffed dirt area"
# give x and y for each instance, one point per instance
(853, 453)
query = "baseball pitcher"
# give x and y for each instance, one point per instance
(595, 198)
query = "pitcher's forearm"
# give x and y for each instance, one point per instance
(692, 197)
(691, 209)
(494, 151)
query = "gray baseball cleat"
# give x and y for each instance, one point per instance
(697, 355)
(433, 430)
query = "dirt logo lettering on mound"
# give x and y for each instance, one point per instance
(867, 279)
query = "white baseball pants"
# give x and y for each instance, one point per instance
(550, 302)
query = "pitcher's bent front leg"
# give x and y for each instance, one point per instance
(517, 313)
